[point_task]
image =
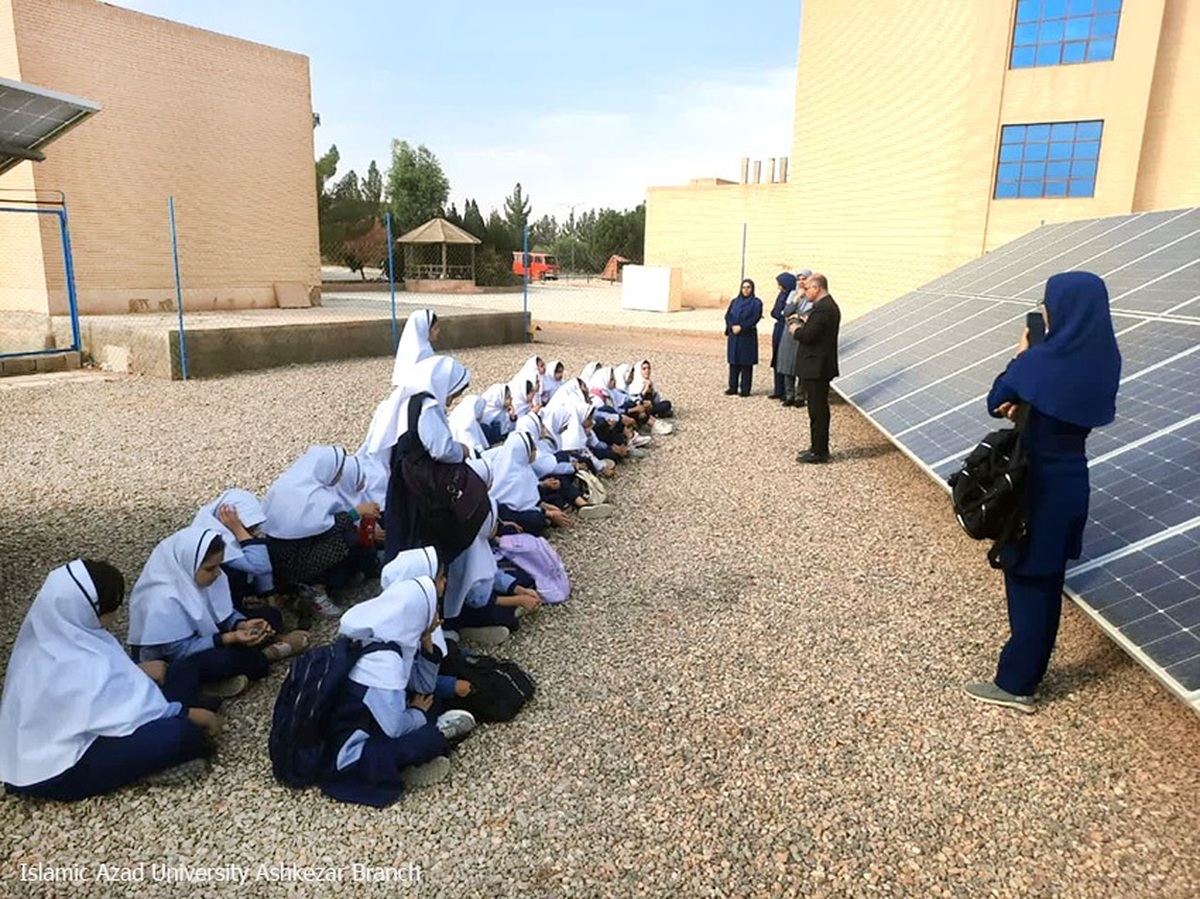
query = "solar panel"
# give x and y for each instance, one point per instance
(921, 366)
(31, 117)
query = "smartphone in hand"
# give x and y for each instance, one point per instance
(1037, 327)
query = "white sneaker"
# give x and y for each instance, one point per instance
(662, 427)
(455, 723)
(320, 600)
(596, 512)
(636, 453)
(427, 774)
(640, 440)
(492, 635)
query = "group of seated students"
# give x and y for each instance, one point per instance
(81, 715)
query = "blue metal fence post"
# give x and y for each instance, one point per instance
(387, 217)
(525, 287)
(183, 367)
(69, 265)
(743, 278)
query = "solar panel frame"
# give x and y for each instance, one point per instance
(32, 117)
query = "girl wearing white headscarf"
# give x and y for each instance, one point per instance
(554, 379)
(465, 423)
(385, 738)
(533, 372)
(637, 407)
(554, 468)
(515, 487)
(238, 516)
(78, 718)
(416, 343)
(312, 532)
(524, 393)
(434, 386)
(181, 613)
(499, 416)
(643, 388)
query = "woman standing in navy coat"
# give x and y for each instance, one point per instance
(1070, 383)
(741, 335)
(787, 291)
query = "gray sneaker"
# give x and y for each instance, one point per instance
(493, 635)
(186, 773)
(455, 724)
(986, 691)
(596, 512)
(427, 774)
(226, 689)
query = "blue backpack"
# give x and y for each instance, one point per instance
(300, 722)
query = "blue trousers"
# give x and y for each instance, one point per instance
(532, 521)
(185, 676)
(1034, 609)
(493, 433)
(484, 616)
(112, 762)
(741, 377)
(375, 778)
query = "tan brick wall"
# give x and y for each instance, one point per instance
(224, 125)
(899, 105)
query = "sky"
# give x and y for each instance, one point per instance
(583, 103)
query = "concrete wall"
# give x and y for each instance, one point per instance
(899, 106)
(222, 124)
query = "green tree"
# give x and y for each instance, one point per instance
(473, 220)
(372, 186)
(417, 188)
(543, 233)
(516, 210)
(620, 233)
(500, 236)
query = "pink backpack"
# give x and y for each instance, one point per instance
(537, 557)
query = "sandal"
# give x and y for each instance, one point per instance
(291, 644)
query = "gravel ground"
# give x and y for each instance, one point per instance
(754, 690)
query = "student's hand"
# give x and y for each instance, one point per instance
(259, 626)
(422, 701)
(427, 635)
(793, 327)
(518, 590)
(380, 536)
(228, 516)
(242, 636)
(210, 722)
(606, 472)
(527, 602)
(512, 524)
(580, 466)
(1024, 343)
(462, 688)
(1007, 410)
(736, 329)
(367, 510)
(155, 670)
(552, 483)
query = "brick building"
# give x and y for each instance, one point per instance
(927, 132)
(223, 125)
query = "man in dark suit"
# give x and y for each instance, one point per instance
(817, 363)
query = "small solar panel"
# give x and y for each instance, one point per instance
(31, 117)
(921, 366)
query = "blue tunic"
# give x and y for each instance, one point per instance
(1058, 489)
(742, 349)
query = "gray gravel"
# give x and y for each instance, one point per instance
(752, 692)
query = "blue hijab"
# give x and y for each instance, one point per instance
(1074, 373)
(787, 283)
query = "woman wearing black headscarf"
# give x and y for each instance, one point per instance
(1070, 383)
(787, 290)
(741, 335)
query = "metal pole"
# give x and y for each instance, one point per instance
(743, 278)
(69, 265)
(392, 280)
(183, 368)
(525, 287)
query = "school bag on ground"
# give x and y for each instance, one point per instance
(593, 488)
(452, 498)
(989, 490)
(300, 721)
(499, 687)
(535, 556)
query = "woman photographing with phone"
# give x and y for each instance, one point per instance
(1069, 381)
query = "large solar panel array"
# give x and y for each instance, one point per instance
(920, 368)
(31, 117)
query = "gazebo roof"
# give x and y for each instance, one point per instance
(438, 231)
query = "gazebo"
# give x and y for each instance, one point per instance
(439, 256)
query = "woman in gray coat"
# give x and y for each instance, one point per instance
(785, 360)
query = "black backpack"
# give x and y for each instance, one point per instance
(499, 687)
(300, 722)
(452, 499)
(989, 490)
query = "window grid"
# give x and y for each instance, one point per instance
(1056, 159)
(1064, 32)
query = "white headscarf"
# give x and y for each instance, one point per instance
(482, 467)
(589, 370)
(304, 499)
(249, 511)
(412, 563)
(557, 422)
(68, 682)
(474, 564)
(520, 395)
(550, 383)
(571, 397)
(414, 343)
(529, 372)
(464, 423)
(167, 604)
(352, 486)
(441, 376)
(514, 483)
(400, 614)
(598, 384)
(637, 387)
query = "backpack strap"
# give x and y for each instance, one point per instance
(414, 447)
(1015, 527)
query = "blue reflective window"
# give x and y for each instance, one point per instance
(1053, 159)
(1064, 32)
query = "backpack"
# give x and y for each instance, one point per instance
(300, 721)
(988, 491)
(536, 557)
(593, 488)
(452, 499)
(499, 687)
